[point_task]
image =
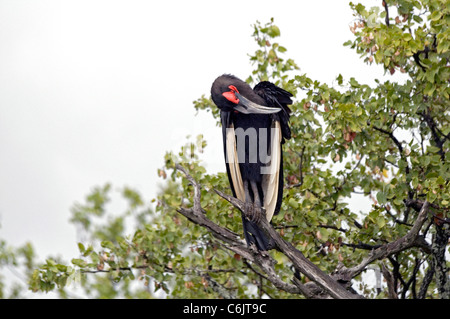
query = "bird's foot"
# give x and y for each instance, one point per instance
(253, 212)
(249, 208)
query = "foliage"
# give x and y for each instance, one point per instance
(19, 261)
(385, 145)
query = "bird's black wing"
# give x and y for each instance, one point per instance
(277, 97)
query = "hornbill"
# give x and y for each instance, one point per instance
(255, 123)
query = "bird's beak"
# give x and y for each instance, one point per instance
(248, 107)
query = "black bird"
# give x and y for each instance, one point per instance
(255, 123)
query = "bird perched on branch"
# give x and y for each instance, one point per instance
(255, 124)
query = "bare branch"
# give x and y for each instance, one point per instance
(231, 240)
(387, 13)
(392, 289)
(327, 285)
(300, 262)
(434, 132)
(300, 168)
(197, 192)
(441, 267)
(405, 242)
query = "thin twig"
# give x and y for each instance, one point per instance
(387, 13)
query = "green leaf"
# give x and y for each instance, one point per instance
(435, 16)
(354, 83)
(79, 262)
(381, 198)
(407, 37)
(107, 244)
(81, 248)
(381, 222)
(293, 203)
(273, 31)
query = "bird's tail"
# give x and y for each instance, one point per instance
(255, 235)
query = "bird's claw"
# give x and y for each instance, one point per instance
(253, 212)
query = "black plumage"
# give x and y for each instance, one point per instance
(255, 123)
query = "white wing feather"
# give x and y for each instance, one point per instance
(233, 163)
(270, 181)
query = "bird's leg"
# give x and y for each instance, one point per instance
(252, 204)
(247, 193)
(256, 199)
(257, 212)
(249, 208)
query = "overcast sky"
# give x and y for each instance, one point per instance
(97, 91)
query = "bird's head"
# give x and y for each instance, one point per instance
(232, 94)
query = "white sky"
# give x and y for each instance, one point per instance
(97, 91)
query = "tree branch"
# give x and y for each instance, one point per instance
(409, 240)
(441, 270)
(322, 285)
(300, 168)
(300, 262)
(434, 132)
(392, 289)
(232, 241)
(426, 50)
(197, 192)
(426, 280)
(402, 156)
(387, 13)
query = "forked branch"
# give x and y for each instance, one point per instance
(334, 285)
(232, 241)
